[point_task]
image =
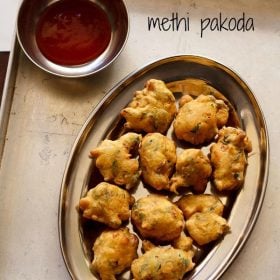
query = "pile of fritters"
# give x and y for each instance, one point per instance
(170, 229)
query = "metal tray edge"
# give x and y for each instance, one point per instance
(8, 93)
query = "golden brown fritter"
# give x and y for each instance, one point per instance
(147, 245)
(190, 204)
(228, 157)
(157, 218)
(205, 227)
(108, 204)
(114, 251)
(193, 169)
(183, 242)
(113, 159)
(157, 160)
(162, 263)
(185, 99)
(198, 120)
(195, 87)
(152, 109)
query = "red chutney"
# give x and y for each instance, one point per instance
(73, 32)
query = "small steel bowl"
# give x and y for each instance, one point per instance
(28, 16)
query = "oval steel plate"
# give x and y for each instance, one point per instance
(103, 120)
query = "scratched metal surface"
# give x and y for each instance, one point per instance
(47, 112)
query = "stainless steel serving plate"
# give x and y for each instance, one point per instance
(105, 119)
(28, 16)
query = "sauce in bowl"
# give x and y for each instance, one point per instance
(73, 32)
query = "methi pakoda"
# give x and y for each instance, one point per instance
(114, 159)
(193, 169)
(190, 204)
(152, 109)
(205, 227)
(157, 160)
(162, 263)
(114, 251)
(107, 204)
(198, 120)
(183, 242)
(159, 222)
(155, 217)
(228, 157)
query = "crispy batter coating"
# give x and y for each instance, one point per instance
(190, 204)
(183, 242)
(113, 159)
(228, 157)
(185, 99)
(147, 245)
(198, 120)
(114, 251)
(108, 204)
(193, 169)
(157, 160)
(152, 109)
(162, 263)
(157, 218)
(195, 87)
(205, 227)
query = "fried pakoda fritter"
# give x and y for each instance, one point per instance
(190, 204)
(113, 159)
(198, 120)
(228, 157)
(183, 242)
(157, 218)
(114, 251)
(193, 169)
(162, 263)
(107, 204)
(195, 87)
(152, 109)
(204, 227)
(157, 160)
(147, 245)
